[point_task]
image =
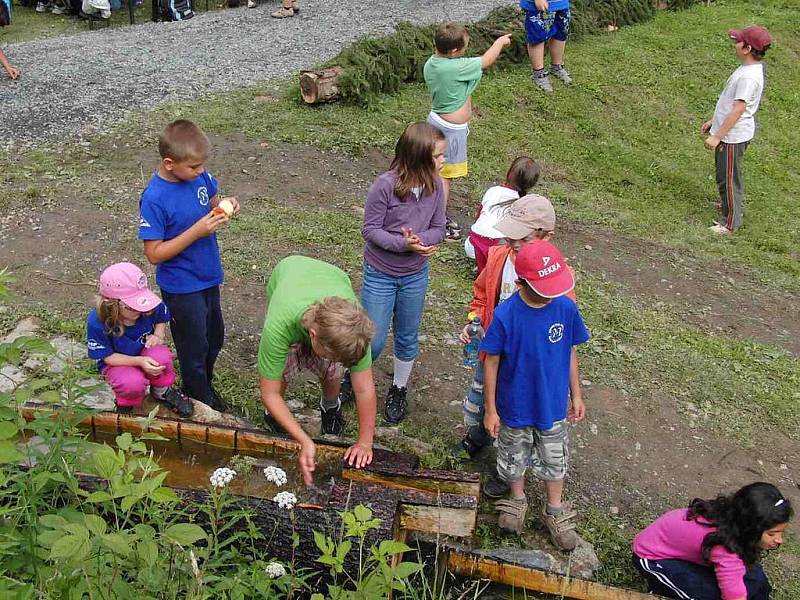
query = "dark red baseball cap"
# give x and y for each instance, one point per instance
(541, 265)
(754, 36)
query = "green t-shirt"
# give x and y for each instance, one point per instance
(451, 81)
(295, 284)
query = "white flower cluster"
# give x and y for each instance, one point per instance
(275, 475)
(285, 500)
(222, 477)
(275, 570)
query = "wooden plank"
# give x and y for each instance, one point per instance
(438, 520)
(399, 482)
(130, 423)
(470, 565)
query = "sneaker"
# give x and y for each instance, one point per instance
(217, 403)
(346, 393)
(58, 9)
(466, 445)
(542, 82)
(251, 4)
(495, 487)
(332, 420)
(283, 13)
(559, 72)
(394, 410)
(271, 425)
(453, 235)
(177, 402)
(720, 229)
(42, 7)
(562, 527)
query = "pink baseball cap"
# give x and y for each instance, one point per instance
(541, 265)
(754, 36)
(126, 282)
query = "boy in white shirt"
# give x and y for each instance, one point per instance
(733, 124)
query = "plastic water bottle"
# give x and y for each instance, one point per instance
(472, 347)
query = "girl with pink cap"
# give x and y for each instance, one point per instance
(125, 336)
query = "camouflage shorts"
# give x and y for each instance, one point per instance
(545, 452)
(302, 357)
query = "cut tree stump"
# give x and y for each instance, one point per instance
(317, 87)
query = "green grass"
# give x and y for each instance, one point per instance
(621, 147)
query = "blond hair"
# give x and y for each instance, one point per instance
(109, 314)
(343, 329)
(183, 140)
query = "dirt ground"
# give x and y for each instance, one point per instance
(631, 454)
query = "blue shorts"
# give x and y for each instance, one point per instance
(542, 26)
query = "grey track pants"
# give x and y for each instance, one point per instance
(728, 159)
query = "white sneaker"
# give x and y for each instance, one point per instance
(720, 229)
(251, 4)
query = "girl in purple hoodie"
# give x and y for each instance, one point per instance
(404, 220)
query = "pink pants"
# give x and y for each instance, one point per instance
(130, 383)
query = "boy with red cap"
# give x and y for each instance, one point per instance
(733, 124)
(532, 387)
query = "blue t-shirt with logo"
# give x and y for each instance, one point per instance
(102, 344)
(553, 5)
(535, 346)
(166, 210)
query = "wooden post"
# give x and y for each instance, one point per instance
(320, 86)
(471, 565)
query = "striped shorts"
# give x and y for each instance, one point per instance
(302, 357)
(546, 452)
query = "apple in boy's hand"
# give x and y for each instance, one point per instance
(224, 207)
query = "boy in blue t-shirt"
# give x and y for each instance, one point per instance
(178, 225)
(532, 387)
(547, 21)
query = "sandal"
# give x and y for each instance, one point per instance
(512, 514)
(283, 13)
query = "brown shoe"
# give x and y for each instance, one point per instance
(562, 527)
(283, 13)
(511, 514)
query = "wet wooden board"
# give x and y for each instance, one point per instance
(470, 565)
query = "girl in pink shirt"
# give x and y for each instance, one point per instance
(711, 550)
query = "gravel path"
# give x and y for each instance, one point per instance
(74, 85)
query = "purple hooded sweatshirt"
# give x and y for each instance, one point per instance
(385, 216)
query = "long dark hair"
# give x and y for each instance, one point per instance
(413, 159)
(741, 519)
(523, 174)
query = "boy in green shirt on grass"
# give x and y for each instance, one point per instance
(451, 79)
(314, 322)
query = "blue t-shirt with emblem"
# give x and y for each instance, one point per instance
(102, 344)
(166, 210)
(553, 5)
(535, 346)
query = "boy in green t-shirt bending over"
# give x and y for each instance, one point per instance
(314, 322)
(451, 79)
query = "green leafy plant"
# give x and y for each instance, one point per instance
(377, 575)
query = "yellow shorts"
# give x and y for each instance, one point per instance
(453, 171)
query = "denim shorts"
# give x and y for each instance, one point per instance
(546, 452)
(541, 26)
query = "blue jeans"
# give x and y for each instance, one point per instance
(198, 332)
(399, 300)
